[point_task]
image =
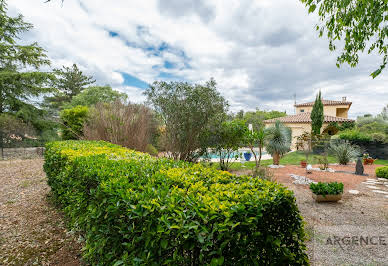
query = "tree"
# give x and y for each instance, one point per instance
(73, 121)
(187, 112)
(278, 141)
(257, 117)
(361, 24)
(68, 82)
(20, 78)
(317, 116)
(225, 140)
(97, 94)
(255, 138)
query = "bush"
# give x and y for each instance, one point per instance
(379, 137)
(355, 135)
(344, 151)
(151, 150)
(133, 208)
(128, 125)
(73, 120)
(323, 189)
(382, 172)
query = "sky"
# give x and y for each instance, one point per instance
(260, 52)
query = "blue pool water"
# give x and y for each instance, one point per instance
(233, 155)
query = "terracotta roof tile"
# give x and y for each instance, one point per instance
(325, 102)
(305, 118)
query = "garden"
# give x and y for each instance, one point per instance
(178, 179)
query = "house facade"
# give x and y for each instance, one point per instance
(334, 111)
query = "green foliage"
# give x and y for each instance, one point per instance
(68, 82)
(255, 138)
(323, 189)
(382, 172)
(323, 161)
(360, 24)
(97, 94)
(151, 150)
(347, 125)
(73, 121)
(225, 140)
(133, 208)
(187, 112)
(317, 116)
(355, 135)
(278, 139)
(20, 78)
(257, 117)
(344, 151)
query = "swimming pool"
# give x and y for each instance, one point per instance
(239, 154)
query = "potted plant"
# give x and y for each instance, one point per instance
(247, 156)
(324, 192)
(303, 163)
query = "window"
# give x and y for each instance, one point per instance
(302, 110)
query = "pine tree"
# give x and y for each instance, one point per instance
(69, 82)
(20, 78)
(317, 116)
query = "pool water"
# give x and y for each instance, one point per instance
(233, 155)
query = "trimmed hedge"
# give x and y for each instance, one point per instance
(136, 209)
(382, 172)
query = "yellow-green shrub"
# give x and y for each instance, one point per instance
(136, 209)
(382, 172)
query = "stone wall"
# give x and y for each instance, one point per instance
(21, 153)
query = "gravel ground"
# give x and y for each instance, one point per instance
(32, 231)
(361, 215)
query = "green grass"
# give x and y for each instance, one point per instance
(382, 162)
(292, 158)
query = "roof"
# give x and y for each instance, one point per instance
(305, 118)
(325, 102)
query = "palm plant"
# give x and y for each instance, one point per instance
(278, 141)
(344, 151)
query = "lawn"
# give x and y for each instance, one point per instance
(292, 158)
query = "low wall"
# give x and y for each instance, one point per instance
(375, 149)
(21, 153)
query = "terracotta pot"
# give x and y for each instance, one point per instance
(303, 164)
(327, 198)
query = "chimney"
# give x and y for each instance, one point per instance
(344, 99)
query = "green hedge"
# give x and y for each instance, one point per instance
(136, 209)
(382, 172)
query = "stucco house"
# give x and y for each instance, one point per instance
(334, 111)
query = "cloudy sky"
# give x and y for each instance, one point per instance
(260, 52)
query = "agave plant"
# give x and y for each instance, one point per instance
(278, 141)
(344, 151)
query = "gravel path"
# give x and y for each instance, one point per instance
(32, 232)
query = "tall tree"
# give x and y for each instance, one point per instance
(187, 111)
(20, 78)
(361, 24)
(68, 82)
(317, 116)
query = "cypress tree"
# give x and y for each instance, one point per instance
(317, 115)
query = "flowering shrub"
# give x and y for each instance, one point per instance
(133, 208)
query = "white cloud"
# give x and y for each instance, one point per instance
(259, 52)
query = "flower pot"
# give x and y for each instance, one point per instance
(303, 164)
(327, 198)
(247, 156)
(368, 161)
